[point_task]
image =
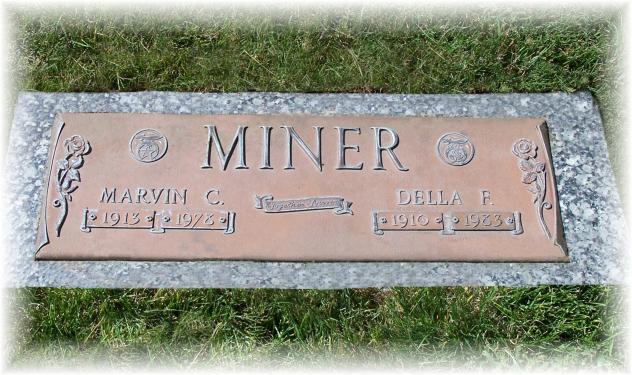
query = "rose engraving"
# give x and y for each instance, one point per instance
(67, 172)
(525, 149)
(534, 175)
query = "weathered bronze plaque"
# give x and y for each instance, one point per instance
(299, 188)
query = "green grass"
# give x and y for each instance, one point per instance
(402, 54)
(440, 325)
(198, 51)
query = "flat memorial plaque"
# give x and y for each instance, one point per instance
(157, 187)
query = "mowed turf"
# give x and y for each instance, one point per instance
(570, 326)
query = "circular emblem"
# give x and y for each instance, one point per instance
(455, 149)
(148, 145)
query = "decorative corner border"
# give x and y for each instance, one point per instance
(67, 172)
(533, 174)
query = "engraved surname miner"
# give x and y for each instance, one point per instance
(385, 142)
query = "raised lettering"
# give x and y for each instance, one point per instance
(156, 197)
(456, 198)
(400, 196)
(214, 201)
(293, 135)
(181, 195)
(441, 201)
(108, 197)
(224, 158)
(419, 197)
(430, 201)
(141, 193)
(265, 147)
(486, 198)
(126, 195)
(342, 147)
(379, 148)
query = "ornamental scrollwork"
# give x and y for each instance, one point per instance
(534, 175)
(75, 148)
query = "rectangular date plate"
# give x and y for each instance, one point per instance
(125, 186)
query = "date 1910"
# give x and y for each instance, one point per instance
(446, 222)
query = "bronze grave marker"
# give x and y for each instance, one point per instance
(125, 186)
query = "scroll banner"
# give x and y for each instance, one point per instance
(339, 205)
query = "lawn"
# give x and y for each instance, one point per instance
(253, 50)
